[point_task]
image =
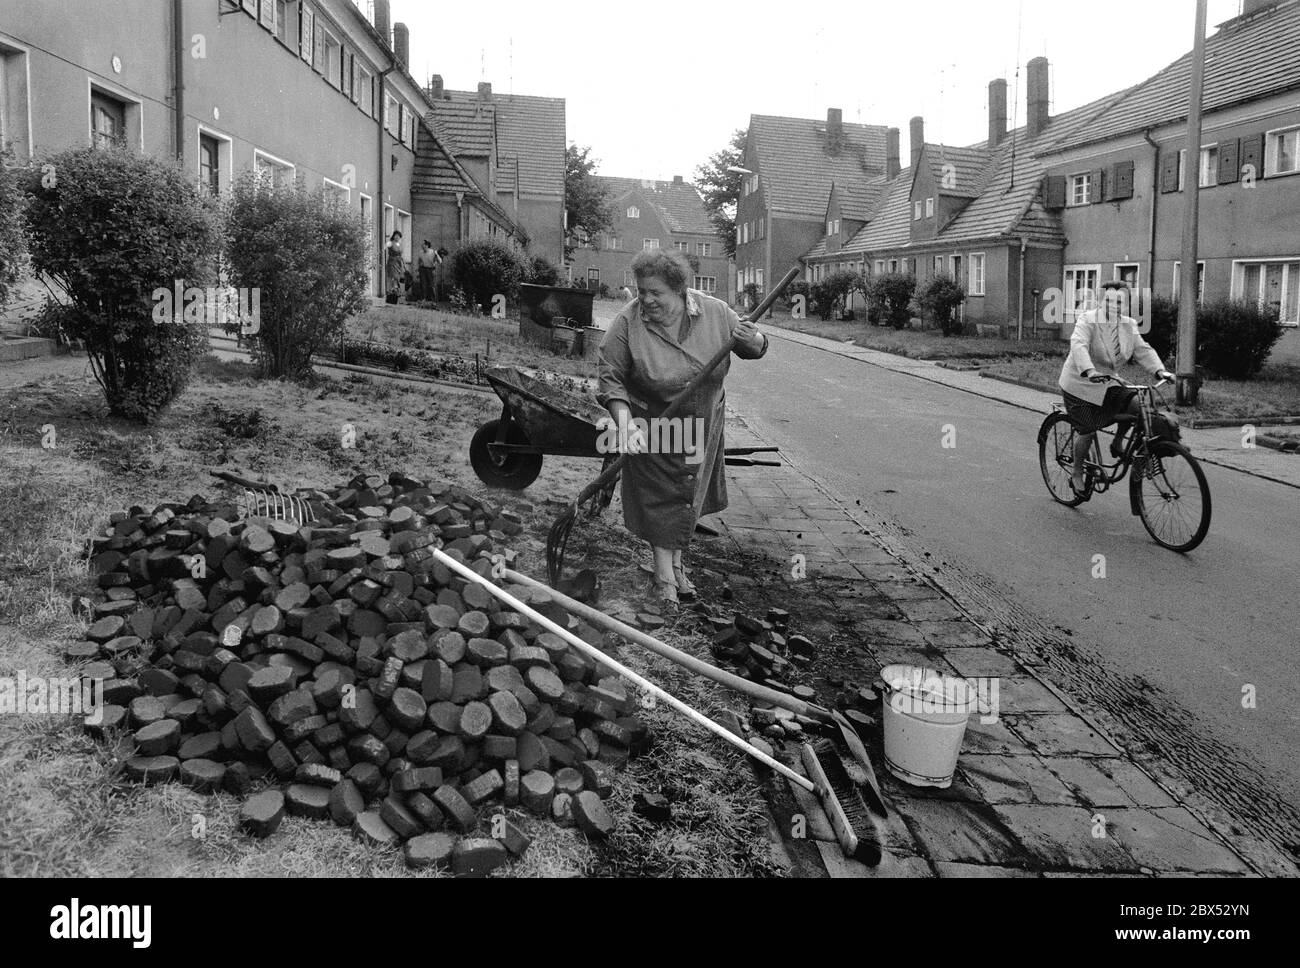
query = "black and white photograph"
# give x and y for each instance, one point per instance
(748, 444)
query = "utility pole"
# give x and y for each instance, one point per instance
(1188, 389)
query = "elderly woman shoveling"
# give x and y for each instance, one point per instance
(653, 350)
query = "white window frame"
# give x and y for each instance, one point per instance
(405, 226)
(333, 76)
(275, 162)
(937, 265)
(917, 208)
(282, 20)
(649, 245)
(613, 241)
(1080, 190)
(929, 208)
(16, 97)
(390, 121)
(704, 249)
(1200, 269)
(893, 266)
(225, 146)
(633, 211)
(977, 259)
(1288, 281)
(1182, 168)
(682, 246)
(706, 284)
(134, 113)
(1070, 287)
(367, 203)
(956, 266)
(628, 279)
(338, 186)
(366, 96)
(880, 267)
(1207, 152)
(1271, 152)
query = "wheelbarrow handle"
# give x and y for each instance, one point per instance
(678, 402)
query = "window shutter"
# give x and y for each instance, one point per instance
(1169, 171)
(356, 80)
(307, 28)
(1229, 161)
(1099, 186)
(1120, 184)
(1252, 153)
(1054, 191)
(318, 49)
(268, 15)
(251, 6)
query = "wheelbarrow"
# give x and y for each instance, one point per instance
(539, 419)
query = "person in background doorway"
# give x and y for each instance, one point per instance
(394, 266)
(427, 266)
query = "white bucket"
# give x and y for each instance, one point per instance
(925, 714)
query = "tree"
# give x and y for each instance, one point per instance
(587, 200)
(13, 244)
(720, 189)
(487, 268)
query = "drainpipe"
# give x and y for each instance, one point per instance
(178, 59)
(1155, 196)
(381, 275)
(1020, 326)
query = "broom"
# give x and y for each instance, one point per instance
(557, 541)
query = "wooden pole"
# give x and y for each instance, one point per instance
(1188, 388)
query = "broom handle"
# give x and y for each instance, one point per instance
(593, 653)
(679, 401)
(683, 659)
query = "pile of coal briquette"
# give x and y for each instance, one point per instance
(337, 670)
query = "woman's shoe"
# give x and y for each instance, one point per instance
(664, 591)
(685, 590)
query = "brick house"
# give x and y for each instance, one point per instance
(307, 92)
(652, 214)
(795, 162)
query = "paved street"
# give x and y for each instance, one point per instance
(1163, 641)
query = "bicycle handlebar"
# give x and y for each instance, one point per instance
(1109, 378)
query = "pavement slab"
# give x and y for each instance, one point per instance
(1066, 837)
(1016, 779)
(1109, 782)
(1060, 735)
(1171, 839)
(961, 832)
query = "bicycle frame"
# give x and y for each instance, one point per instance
(1105, 476)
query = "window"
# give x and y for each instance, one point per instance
(215, 169)
(633, 212)
(391, 111)
(410, 133)
(759, 279)
(14, 112)
(955, 264)
(1282, 152)
(1182, 168)
(267, 18)
(307, 34)
(364, 93)
(706, 284)
(929, 208)
(107, 121)
(333, 59)
(1129, 274)
(762, 226)
(744, 234)
(830, 227)
(338, 194)
(893, 266)
(272, 171)
(880, 267)
(613, 242)
(628, 279)
(649, 245)
(1209, 171)
(1080, 289)
(404, 226)
(1080, 190)
(1200, 281)
(683, 247)
(282, 25)
(976, 287)
(1274, 285)
(938, 265)
(705, 249)
(593, 278)
(917, 209)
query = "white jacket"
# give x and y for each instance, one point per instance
(1092, 347)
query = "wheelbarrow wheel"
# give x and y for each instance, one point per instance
(512, 471)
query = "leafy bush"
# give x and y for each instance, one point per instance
(1233, 337)
(800, 288)
(486, 268)
(890, 298)
(542, 272)
(829, 293)
(110, 227)
(307, 259)
(939, 301)
(13, 245)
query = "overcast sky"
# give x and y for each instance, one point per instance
(656, 87)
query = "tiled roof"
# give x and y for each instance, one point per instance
(437, 172)
(858, 198)
(678, 204)
(533, 130)
(890, 225)
(468, 125)
(797, 165)
(969, 168)
(1247, 59)
(508, 175)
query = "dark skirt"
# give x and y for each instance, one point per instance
(1090, 418)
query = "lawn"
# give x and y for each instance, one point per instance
(496, 341)
(1275, 393)
(920, 344)
(65, 811)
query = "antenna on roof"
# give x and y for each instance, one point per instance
(1015, 111)
(512, 64)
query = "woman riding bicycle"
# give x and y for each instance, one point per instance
(1104, 338)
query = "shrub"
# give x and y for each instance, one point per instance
(939, 301)
(307, 259)
(542, 272)
(1233, 338)
(110, 227)
(890, 298)
(800, 288)
(13, 245)
(486, 268)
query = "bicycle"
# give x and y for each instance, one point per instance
(1167, 489)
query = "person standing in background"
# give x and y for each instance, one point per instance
(427, 266)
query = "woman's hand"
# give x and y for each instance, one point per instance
(747, 334)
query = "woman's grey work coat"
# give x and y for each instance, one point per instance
(642, 364)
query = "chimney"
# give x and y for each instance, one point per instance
(1039, 97)
(892, 164)
(384, 20)
(485, 90)
(997, 112)
(918, 140)
(1251, 7)
(402, 44)
(834, 124)
(436, 91)
(678, 180)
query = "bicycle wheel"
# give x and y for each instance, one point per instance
(1172, 496)
(1056, 459)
